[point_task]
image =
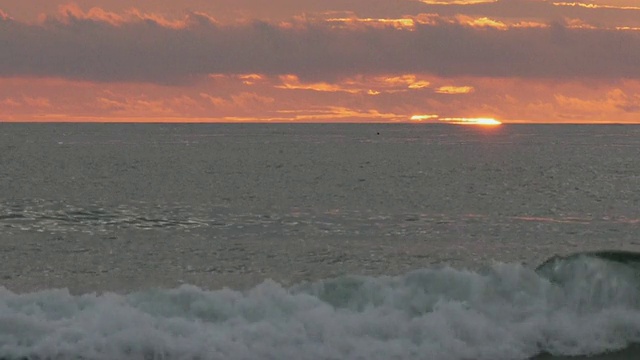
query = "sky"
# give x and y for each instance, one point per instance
(531, 61)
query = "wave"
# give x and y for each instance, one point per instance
(579, 305)
(52, 216)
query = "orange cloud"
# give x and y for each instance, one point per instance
(502, 24)
(528, 24)
(454, 90)
(628, 28)
(36, 102)
(250, 79)
(247, 99)
(325, 114)
(229, 99)
(410, 22)
(135, 107)
(482, 22)
(292, 82)
(595, 6)
(73, 12)
(10, 102)
(409, 81)
(183, 101)
(242, 102)
(613, 101)
(333, 113)
(603, 12)
(399, 24)
(68, 13)
(375, 85)
(578, 24)
(457, 2)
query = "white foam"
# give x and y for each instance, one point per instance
(506, 312)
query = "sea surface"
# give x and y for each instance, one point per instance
(332, 241)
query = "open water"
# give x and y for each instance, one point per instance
(318, 241)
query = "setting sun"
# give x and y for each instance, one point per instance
(423, 117)
(472, 121)
(456, 120)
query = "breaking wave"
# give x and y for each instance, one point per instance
(577, 305)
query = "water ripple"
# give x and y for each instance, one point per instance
(57, 217)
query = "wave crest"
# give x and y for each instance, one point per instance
(582, 305)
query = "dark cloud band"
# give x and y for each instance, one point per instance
(89, 49)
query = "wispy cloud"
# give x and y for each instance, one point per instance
(292, 82)
(596, 6)
(227, 98)
(456, 2)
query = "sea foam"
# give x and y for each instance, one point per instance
(578, 306)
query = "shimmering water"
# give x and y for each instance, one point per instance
(135, 209)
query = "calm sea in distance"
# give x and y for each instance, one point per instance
(318, 241)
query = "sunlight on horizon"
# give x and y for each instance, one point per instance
(423, 117)
(472, 121)
(456, 120)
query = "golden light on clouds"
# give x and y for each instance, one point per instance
(454, 90)
(425, 19)
(482, 22)
(410, 81)
(250, 79)
(423, 117)
(375, 85)
(628, 28)
(292, 82)
(457, 2)
(400, 24)
(419, 84)
(596, 6)
(72, 12)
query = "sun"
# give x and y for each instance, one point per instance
(420, 118)
(472, 121)
(485, 121)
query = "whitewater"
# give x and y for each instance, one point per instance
(589, 306)
(319, 242)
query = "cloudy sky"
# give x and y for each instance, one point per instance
(310, 60)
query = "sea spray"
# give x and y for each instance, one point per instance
(582, 305)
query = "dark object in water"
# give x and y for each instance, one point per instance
(620, 256)
(631, 352)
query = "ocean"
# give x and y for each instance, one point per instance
(319, 241)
